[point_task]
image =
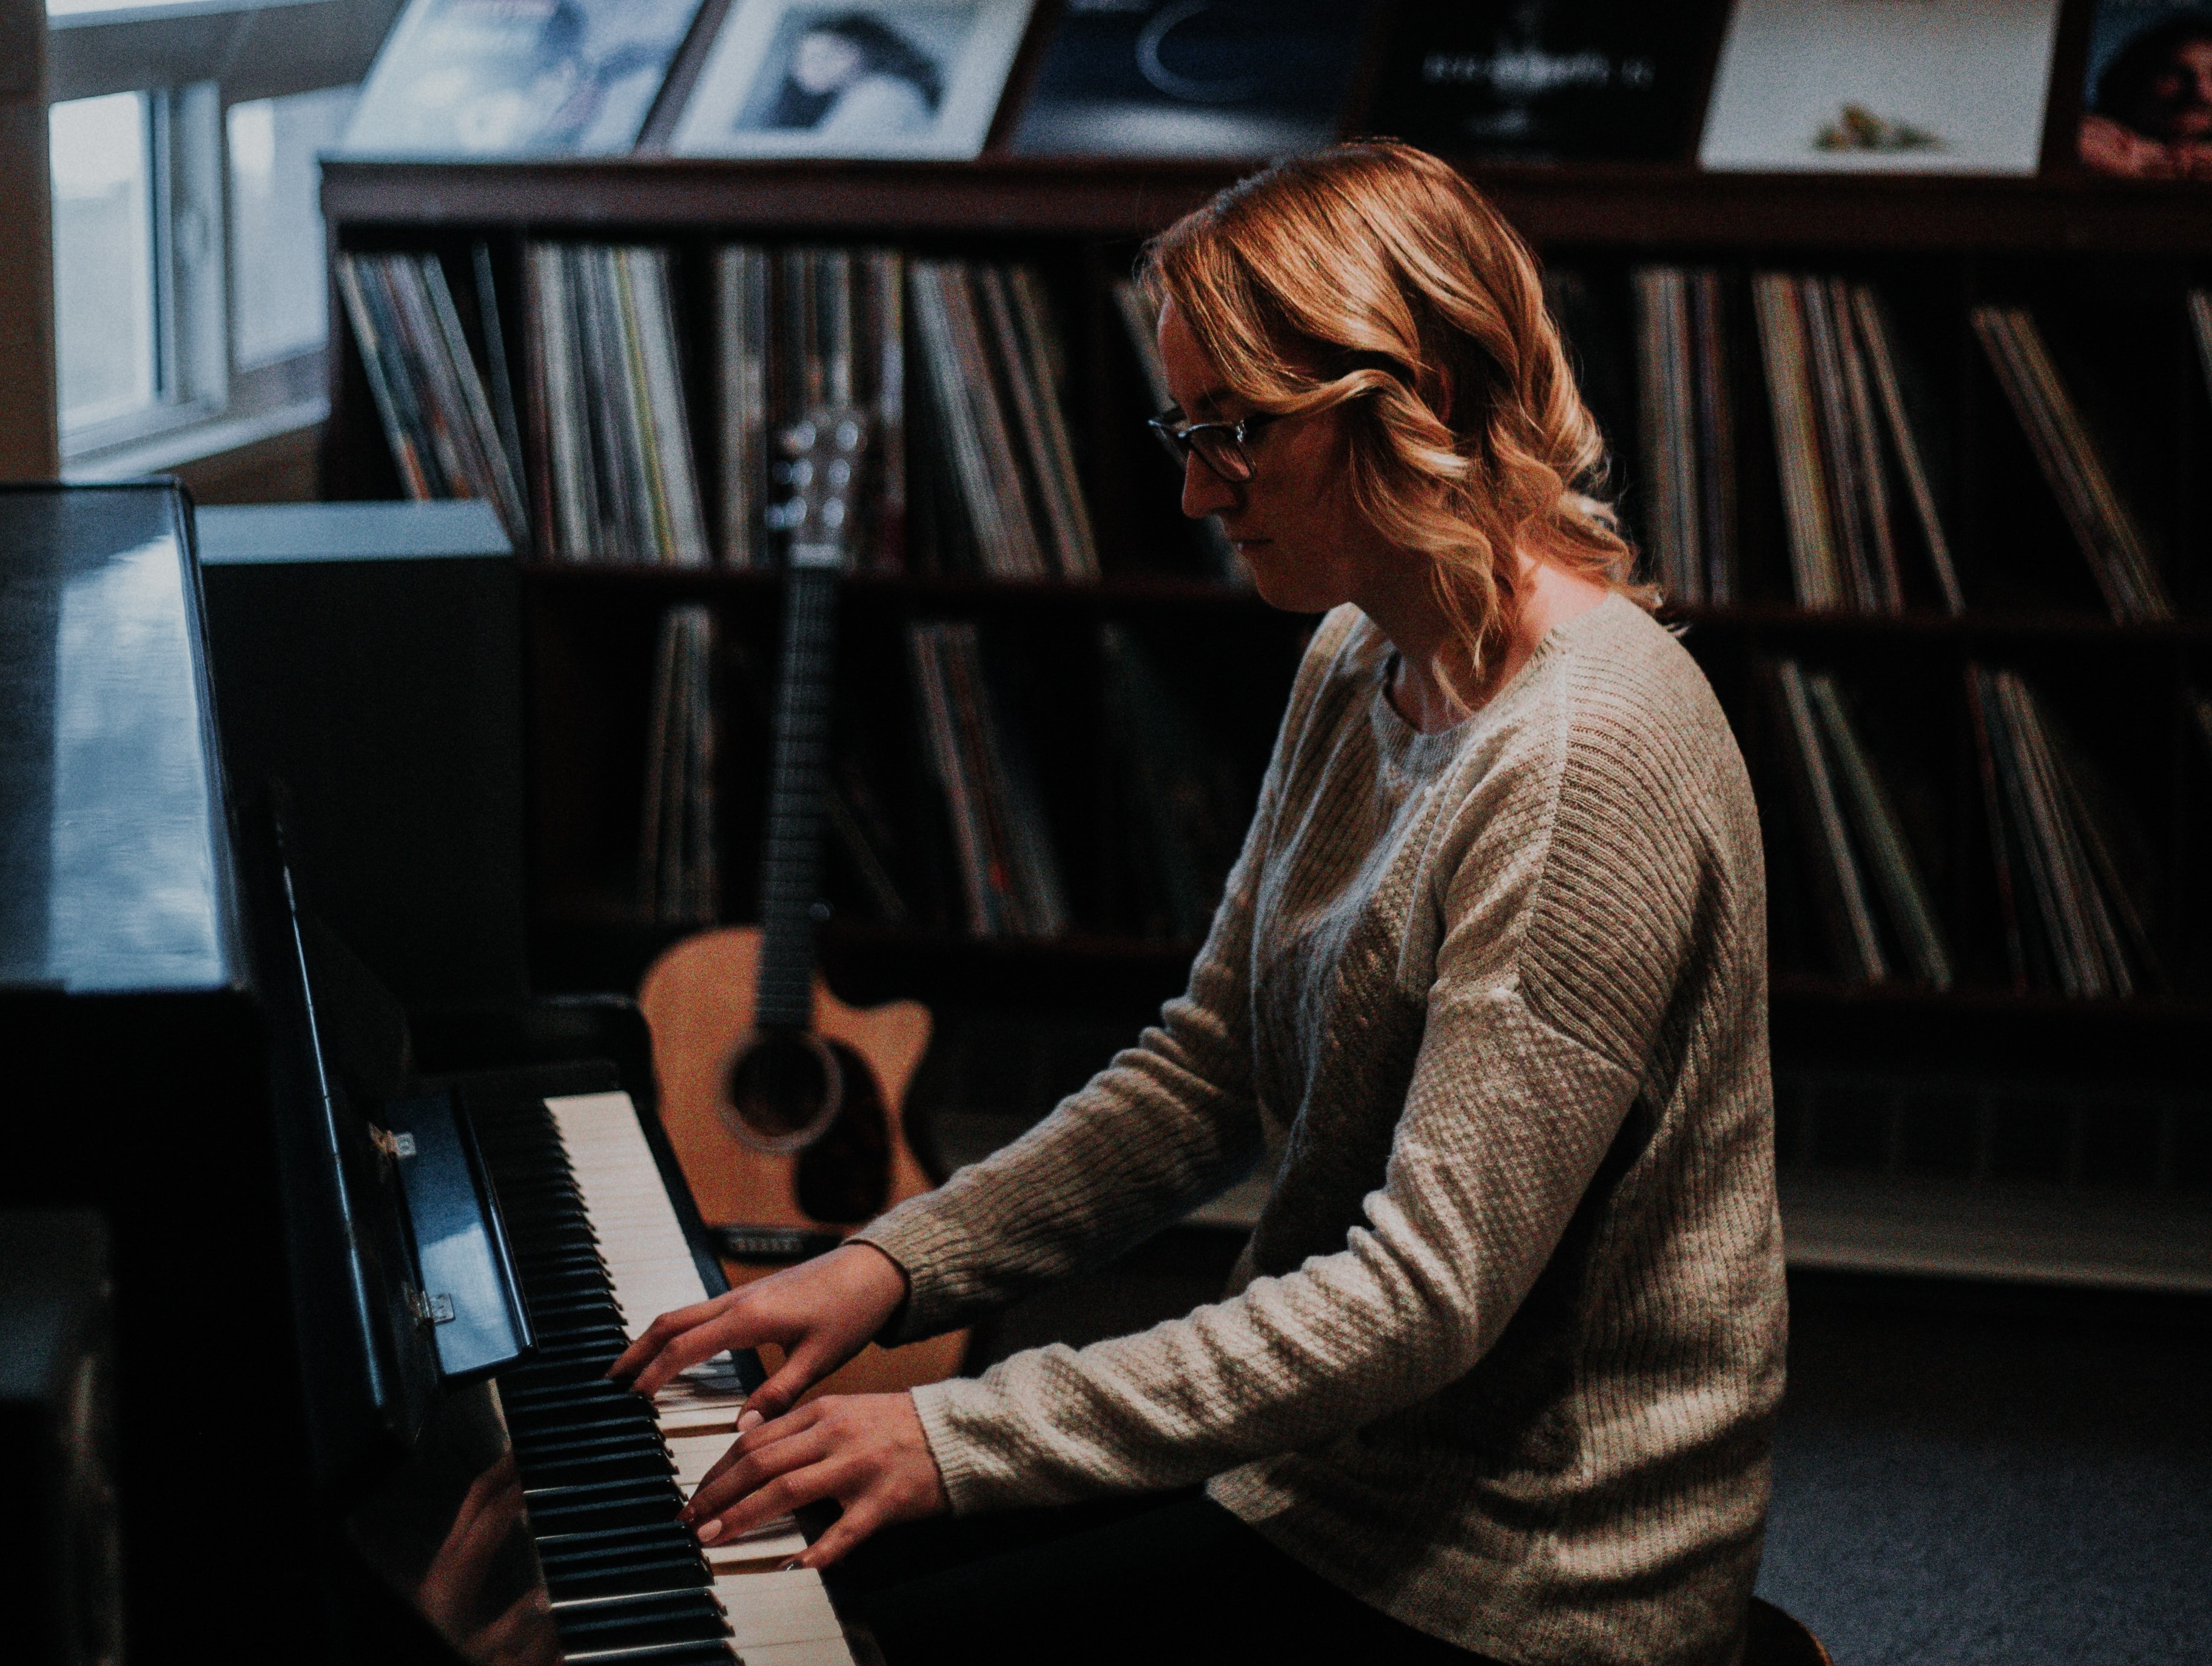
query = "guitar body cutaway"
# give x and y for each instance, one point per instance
(698, 999)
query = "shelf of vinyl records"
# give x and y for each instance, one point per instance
(1932, 521)
(1899, 437)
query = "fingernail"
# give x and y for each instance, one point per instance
(709, 1532)
(749, 1420)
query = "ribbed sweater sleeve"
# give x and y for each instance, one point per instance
(1169, 1123)
(1529, 1056)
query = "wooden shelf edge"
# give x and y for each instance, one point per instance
(1160, 590)
(1967, 629)
(847, 938)
(1595, 205)
(1805, 992)
(584, 914)
(2013, 1233)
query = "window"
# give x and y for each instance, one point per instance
(104, 318)
(279, 289)
(190, 294)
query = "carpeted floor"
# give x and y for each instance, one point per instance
(1976, 1477)
(1964, 1475)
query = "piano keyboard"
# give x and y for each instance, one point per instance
(600, 1253)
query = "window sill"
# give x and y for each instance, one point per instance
(165, 452)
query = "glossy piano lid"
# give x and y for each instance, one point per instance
(114, 852)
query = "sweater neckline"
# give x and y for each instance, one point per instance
(1415, 747)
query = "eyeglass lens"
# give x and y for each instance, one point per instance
(1216, 446)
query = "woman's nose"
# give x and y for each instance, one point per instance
(1204, 492)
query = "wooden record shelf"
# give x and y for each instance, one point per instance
(1627, 205)
(2089, 250)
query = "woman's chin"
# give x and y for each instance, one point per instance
(1281, 585)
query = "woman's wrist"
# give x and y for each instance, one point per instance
(884, 1284)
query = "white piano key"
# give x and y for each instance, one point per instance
(695, 1455)
(767, 1608)
(685, 1415)
(818, 1651)
(777, 1542)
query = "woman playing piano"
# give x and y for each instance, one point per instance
(1496, 1374)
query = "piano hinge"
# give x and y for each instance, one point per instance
(429, 1309)
(391, 1144)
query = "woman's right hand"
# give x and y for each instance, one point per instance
(820, 1313)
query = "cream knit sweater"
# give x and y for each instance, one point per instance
(1503, 1354)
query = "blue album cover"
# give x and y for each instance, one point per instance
(518, 77)
(1237, 78)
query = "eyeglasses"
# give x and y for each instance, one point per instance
(1222, 447)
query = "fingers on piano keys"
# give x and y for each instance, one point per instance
(601, 1252)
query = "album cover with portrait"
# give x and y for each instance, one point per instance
(2147, 105)
(889, 78)
(518, 77)
(1233, 78)
(1544, 80)
(1882, 86)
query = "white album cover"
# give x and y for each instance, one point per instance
(889, 78)
(1908, 86)
(518, 77)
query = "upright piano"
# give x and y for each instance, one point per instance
(369, 1266)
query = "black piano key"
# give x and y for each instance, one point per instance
(529, 1387)
(576, 1406)
(554, 1449)
(580, 1362)
(644, 1510)
(638, 1503)
(647, 1569)
(571, 1426)
(606, 1544)
(633, 1622)
(553, 1495)
(660, 1654)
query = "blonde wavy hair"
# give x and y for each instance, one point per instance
(1373, 277)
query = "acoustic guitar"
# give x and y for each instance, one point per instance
(784, 1105)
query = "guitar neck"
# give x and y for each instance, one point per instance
(798, 786)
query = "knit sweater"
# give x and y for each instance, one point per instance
(1502, 1356)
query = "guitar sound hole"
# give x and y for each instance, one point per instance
(782, 1090)
(845, 1176)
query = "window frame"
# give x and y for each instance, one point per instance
(196, 59)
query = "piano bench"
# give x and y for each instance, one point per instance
(1779, 1638)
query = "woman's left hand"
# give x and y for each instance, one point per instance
(866, 1451)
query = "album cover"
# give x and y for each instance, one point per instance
(518, 77)
(1907, 86)
(1544, 80)
(861, 78)
(2147, 107)
(1239, 78)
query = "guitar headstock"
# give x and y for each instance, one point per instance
(822, 452)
